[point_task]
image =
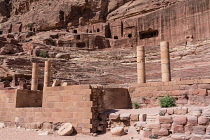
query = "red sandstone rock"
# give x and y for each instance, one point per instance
(153, 125)
(170, 111)
(177, 128)
(125, 117)
(146, 133)
(65, 130)
(165, 119)
(114, 116)
(118, 131)
(203, 120)
(181, 120)
(166, 126)
(201, 130)
(134, 117)
(160, 132)
(192, 120)
(208, 130)
(180, 111)
(142, 117)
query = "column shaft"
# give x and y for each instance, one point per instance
(165, 61)
(34, 82)
(47, 74)
(141, 65)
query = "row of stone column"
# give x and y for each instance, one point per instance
(34, 82)
(165, 63)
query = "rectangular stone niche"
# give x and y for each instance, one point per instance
(148, 34)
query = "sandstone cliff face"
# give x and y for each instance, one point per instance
(50, 14)
(139, 7)
(4, 10)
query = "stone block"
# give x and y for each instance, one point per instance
(206, 113)
(134, 117)
(160, 132)
(177, 128)
(203, 120)
(182, 120)
(179, 137)
(192, 120)
(208, 130)
(206, 137)
(163, 111)
(196, 137)
(132, 130)
(153, 125)
(201, 130)
(47, 125)
(199, 92)
(196, 112)
(180, 111)
(140, 125)
(165, 119)
(142, 117)
(170, 111)
(188, 128)
(125, 117)
(146, 133)
(114, 116)
(166, 126)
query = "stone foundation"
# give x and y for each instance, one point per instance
(81, 105)
(186, 92)
(180, 123)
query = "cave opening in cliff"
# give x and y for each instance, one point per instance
(115, 37)
(78, 37)
(148, 34)
(87, 30)
(108, 33)
(129, 35)
(1, 32)
(81, 45)
(75, 31)
(98, 30)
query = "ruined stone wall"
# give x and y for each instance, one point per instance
(80, 105)
(172, 123)
(186, 92)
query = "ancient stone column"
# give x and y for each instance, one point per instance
(47, 74)
(141, 65)
(34, 82)
(165, 61)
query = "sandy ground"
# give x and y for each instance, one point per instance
(22, 134)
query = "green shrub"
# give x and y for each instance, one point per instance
(135, 105)
(167, 101)
(43, 54)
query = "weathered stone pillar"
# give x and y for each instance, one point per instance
(47, 74)
(141, 65)
(165, 61)
(34, 82)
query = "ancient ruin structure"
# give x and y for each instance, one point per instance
(34, 82)
(141, 64)
(165, 61)
(47, 74)
(103, 56)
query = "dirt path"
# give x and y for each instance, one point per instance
(22, 134)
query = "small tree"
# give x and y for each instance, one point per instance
(167, 101)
